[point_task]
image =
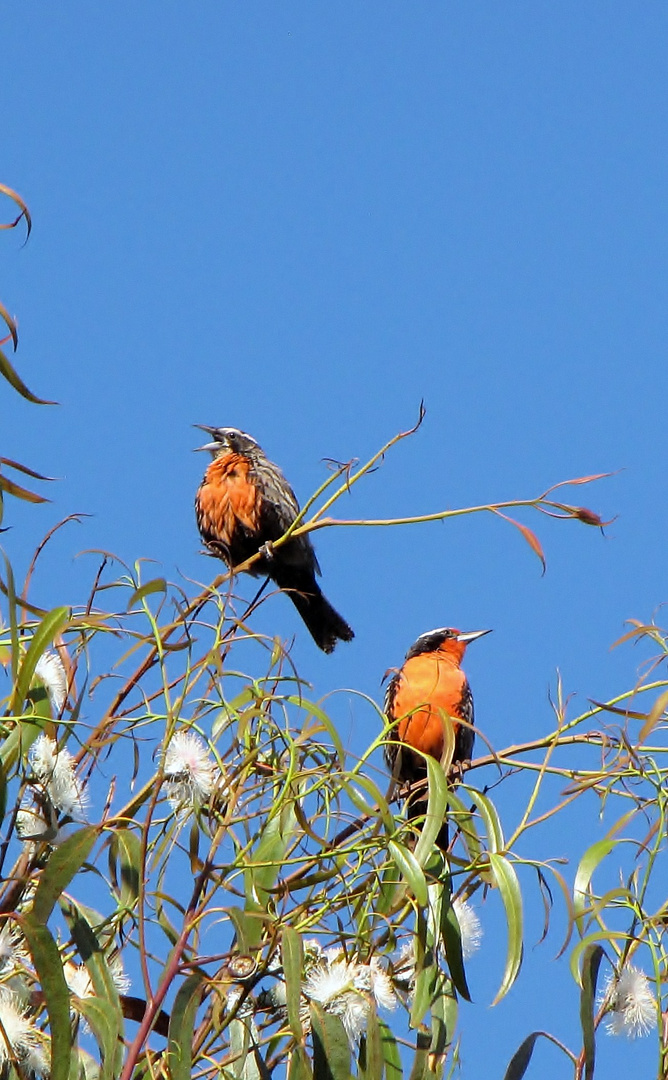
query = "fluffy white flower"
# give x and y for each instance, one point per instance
(345, 988)
(81, 984)
(13, 953)
(50, 671)
(19, 1033)
(469, 926)
(54, 769)
(33, 829)
(374, 978)
(190, 771)
(631, 1005)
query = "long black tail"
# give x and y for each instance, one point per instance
(323, 623)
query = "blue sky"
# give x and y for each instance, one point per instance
(300, 219)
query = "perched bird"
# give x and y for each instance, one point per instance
(426, 702)
(243, 504)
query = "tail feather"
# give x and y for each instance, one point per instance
(323, 623)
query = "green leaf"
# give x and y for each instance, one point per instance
(182, 1027)
(420, 1069)
(292, 959)
(452, 944)
(331, 1050)
(371, 1060)
(242, 1049)
(410, 869)
(509, 888)
(591, 961)
(519, 1062)
(52, 624)
(158, 585)
(489, 815)
(436, 809)
(391, 1055)
(125, 865)
(586, 867)
(444, 1011)
(14, 380)
(64, 862)
(102, 1016)
(49, 968)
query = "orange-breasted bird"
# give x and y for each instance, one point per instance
(243, 504)
(430, 705)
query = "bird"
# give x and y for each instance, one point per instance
(243, 505)
(429, 704)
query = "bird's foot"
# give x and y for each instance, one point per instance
(457, 770)
(267, 551)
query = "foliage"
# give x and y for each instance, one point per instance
(178, 809)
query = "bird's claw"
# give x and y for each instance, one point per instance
(267, 551)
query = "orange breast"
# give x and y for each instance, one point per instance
(227, 496)
(430, 690)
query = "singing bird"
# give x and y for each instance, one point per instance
(243, 505)
(429, 704)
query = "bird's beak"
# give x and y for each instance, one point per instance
(471, 635)
(210, 431)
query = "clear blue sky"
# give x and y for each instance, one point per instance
(302, 218)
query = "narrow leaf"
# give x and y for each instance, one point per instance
(519, 1062)
(331, 1050)
(49, 968)
(11, 488)
(52, 624)
(655, 713)
(391, 1055)
(158, 585)
(530, 537)
(15, 380)
(509, 888)
(125, 865)
(182, 1027)
(410, 869)
(588, 863)
(292, 958)
(591, 961)
(64, 862)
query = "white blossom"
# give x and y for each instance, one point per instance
(18, 1036)
(54, 769)
(374, 977)
(190, 771)
(33, 829)
(345, 988)
(631, 1005)
(13, 952)
(80, 983)
(470, 927)
(50, 670)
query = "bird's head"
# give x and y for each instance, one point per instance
(226, 440)
(447, 640)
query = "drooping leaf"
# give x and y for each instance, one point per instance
(48, 965)
(331, 1050)
(16, 381)
(125, 865)
(509, 888)
(391, 1054)
(591, 961)
(586, 867)
(64, 862)
(182, 1027)
(292, 958)
(410, 869)
(52, 624)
